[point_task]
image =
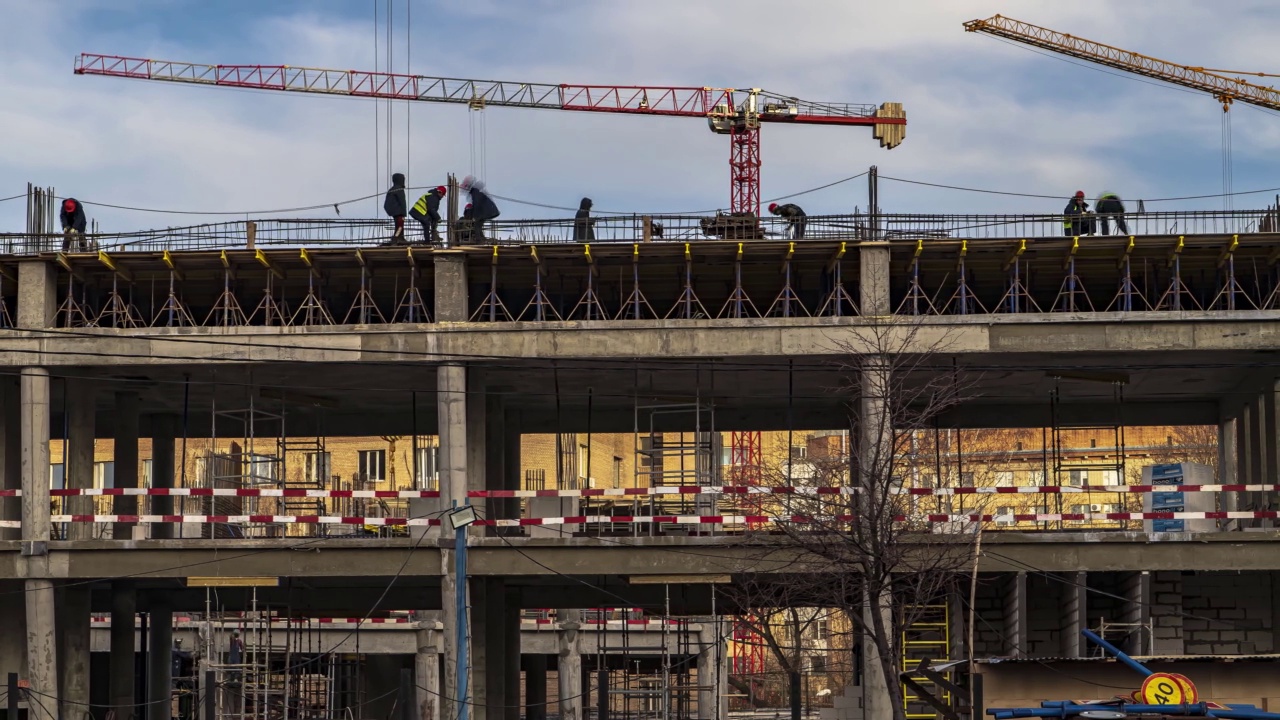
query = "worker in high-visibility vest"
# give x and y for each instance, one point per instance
(1109, 207)
(427, 212)
(1076, 220)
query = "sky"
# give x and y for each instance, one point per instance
(982, 113)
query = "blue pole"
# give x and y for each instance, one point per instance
(460, 596)
(1115, 651)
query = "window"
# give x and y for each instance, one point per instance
(1109, 477)
(1076, 478)
(928, 479)
(1079, 509)
(966, 479)
(1034, 478)
(1093, 442)
(1004, 510)
(57, 479)
(428, 467)
(373, 465)
(104, 474)
(584, 462)
(1019, 446)
(1004, 478)
(824, 628)
(799, 452)
(317, 467)
(817, 664)
(146, 472)
(261, 468)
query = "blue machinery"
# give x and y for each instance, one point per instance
(1119, 710)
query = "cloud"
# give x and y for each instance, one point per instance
(982, 113)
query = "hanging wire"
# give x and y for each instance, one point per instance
(377, 119)
(1228, 169)
(390, 105)
(408, 70)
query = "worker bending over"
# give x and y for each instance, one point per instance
(1109, 208)
(73, 226)
(396, 205)
(483, 208)
(794, 214)
(427, 212)
(1077, 221)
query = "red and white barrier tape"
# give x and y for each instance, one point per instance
(645, 519)
(639, 492)
(179, 623)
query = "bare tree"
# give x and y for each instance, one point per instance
(869, 552)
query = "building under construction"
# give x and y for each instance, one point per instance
(237, 573)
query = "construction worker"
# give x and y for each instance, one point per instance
(794, 214)
(427, 212)
(73, 226)
(1077, 221)
(584, 228)
(396, 205)
(1109, 207)
(483, 209)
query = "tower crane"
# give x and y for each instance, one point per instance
(1217, 83)
(737, 113)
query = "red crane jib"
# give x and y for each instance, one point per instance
(729, 111)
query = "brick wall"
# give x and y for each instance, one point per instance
(1229, 613)
(988, 631)
(1044, 607)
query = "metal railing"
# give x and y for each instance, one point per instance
(280, 233)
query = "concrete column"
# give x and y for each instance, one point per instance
(426, 667)
(1137, 610)
(37, 294)
(495, 458)
(160, 660)
(569, 665)
(42, 649)
(1075, 599)
(712, 674)
(1258, 450)
(124, 608)
(511, 653)
(451, 406)
(1228, 461)
(73, 621)
(36, 525)
(873, 288)
(535, 687)
(878, 696)
(1016, 616)
(13, 645)
(451, 286)
(126, 463)
(11, 446)
(162, 448)
(78, 452)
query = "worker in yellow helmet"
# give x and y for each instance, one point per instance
(427, 212)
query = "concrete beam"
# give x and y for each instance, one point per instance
(1061, 335)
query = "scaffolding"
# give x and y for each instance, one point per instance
(1072, 463)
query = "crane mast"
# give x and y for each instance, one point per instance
(1226, 89)
(728, 111)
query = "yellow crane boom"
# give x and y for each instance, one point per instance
(1225, 89)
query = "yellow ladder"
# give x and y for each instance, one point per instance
(927, 636)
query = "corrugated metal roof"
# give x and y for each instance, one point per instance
(1139, 658)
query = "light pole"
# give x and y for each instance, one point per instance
(459, 519)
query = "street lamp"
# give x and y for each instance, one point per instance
(459, 519)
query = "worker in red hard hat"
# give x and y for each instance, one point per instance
(795, 217)
(1077, 220)
(73, 226)
(427, 212)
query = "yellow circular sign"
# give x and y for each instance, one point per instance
(1188, 688)
(1167, 689)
